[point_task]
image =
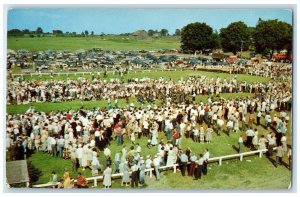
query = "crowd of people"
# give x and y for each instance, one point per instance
(145, 90)
(81, 136)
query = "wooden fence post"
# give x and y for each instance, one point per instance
(220, 161)
(174, 168)
(150, 173)
(241, 158)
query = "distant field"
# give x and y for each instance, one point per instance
(76, 43)
(174, 75)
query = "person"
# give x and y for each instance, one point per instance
(134, 175)
(95, 164)
(199, 167)
(255, 138)
(279, 155)
(81, 181)
(241, 143)
(156, 163)
(283, 142)
(183, 162)
(53, 178)
(193, 164)
(289, 155)
(107, 177)
(148, 163)
(271, 145)
(262, 142)
(67, 183)
(208, 136)
(117, 162)
(205, 162)
(258, 118)
(250, 135)
(124, 169)
(142, 168)
(229, 127)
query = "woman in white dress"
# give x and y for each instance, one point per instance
(262, 142)
(202, 134)
(107, 177)
(85, 152)
(154, 138)
(171, 157)
(95, 164)
(255, 138)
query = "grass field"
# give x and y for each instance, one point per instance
(76, 104)
(174, 75)
(76, 43)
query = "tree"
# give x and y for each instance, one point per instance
(215, 40)
(26, 31)
(39, 30)
(57, 32)
(196, 36)
(271, 35)
(14, 32)
(235, 37)
(151, 32)
(92, 33)
(164, 32)
(86, 32)
(177, 32)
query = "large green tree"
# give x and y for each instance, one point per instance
(196, 36)
(39, 30)
(271, 35)
(235, 37)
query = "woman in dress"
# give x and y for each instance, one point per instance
(255, 138)
(202, 134)
(262, 142)
(125, 178)
(208, 135)
(142, 168)
(154, 137)
(107, 177)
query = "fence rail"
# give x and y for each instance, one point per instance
(173, 167)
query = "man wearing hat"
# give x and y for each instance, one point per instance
(156, 163)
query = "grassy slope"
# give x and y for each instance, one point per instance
(75, 43)
(76, 104)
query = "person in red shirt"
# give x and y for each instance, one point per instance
(81, 181)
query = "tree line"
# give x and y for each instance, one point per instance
(40, 33)
(265, 38)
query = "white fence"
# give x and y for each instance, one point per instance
(173, 167)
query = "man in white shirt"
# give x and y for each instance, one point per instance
(156, 163)
(229, 127)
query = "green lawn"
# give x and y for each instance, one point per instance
(106, 43)
(76, 104)
(174, 75)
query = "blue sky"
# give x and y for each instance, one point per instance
(121, 20)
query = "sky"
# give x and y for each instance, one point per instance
(127, 20)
